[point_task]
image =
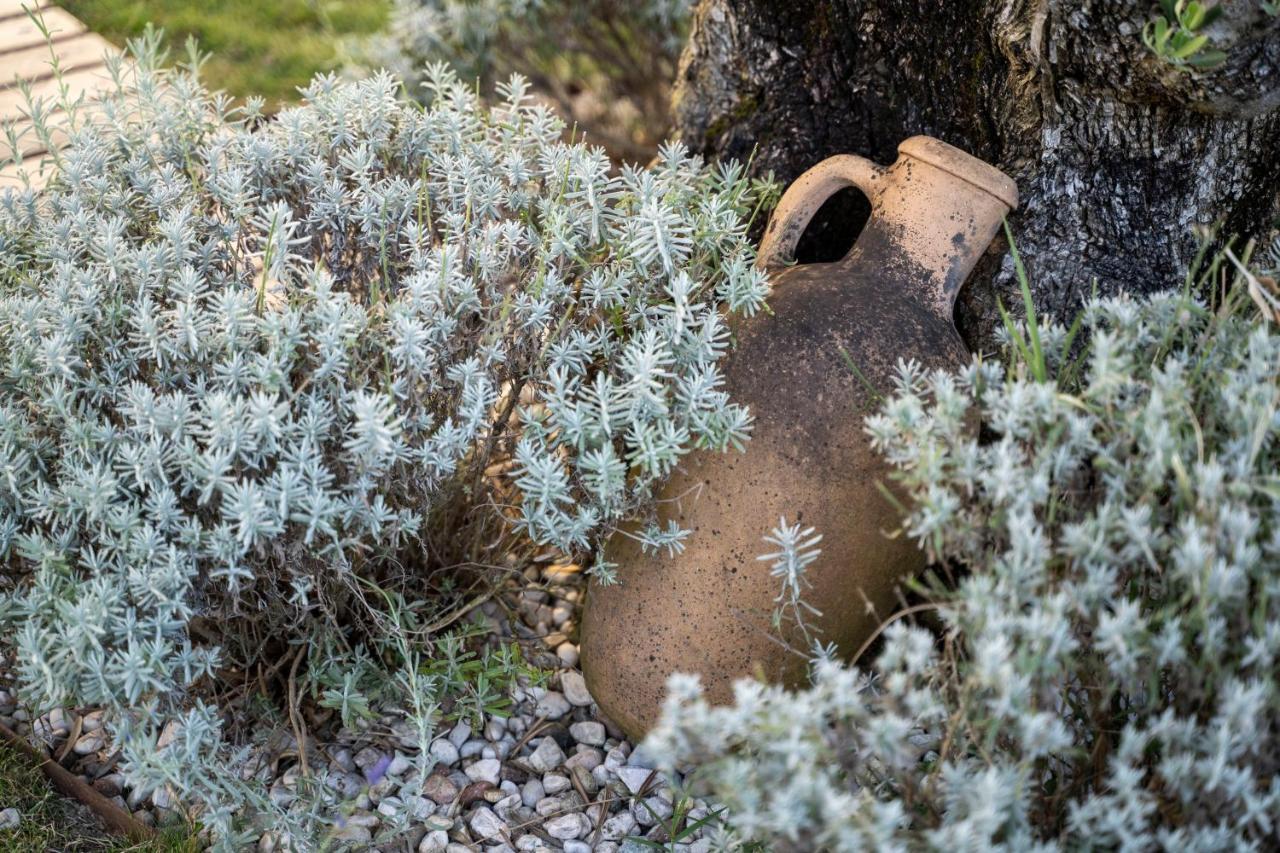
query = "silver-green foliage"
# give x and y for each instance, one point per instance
(1106, 671)
(249, 368)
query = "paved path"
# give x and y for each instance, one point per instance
(25, 56)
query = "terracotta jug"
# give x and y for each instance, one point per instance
(708, 609)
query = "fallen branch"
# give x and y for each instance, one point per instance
(112, 816)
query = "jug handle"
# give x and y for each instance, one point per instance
(803, 198)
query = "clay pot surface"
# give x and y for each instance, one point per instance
(708, 610)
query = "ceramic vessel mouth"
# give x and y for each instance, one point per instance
(966, 167)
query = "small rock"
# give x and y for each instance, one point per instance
(582, 776)
(110, 785)
(168, 734)
(399, 765)
(554, 783)
(575, 688)
(472, 748)
(568, 654)
(485, 770)
(571, 846)
(477, 791)
(494, 729)
(435, 841)
(419, 807)
(440, 789)
(367, 758)
(553, 706)
(341, 759)
(634, 778)
(461, 733)
(548, 756)
(587, 757)
(618, 827)
(588, 732)
(354, 833)
(92, 721)
(532, 792)
(486, 824)
(444, 752)
(640, 757)
(163, 798)
(88, 744)
(567, 826)
(10, 819)
(506, 806)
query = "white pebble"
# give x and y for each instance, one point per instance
(434, 842)
(484, 770)
(548, 755)
(443, 751)
(575, 688)
(461, 733)
(532, 792)
(568, 654)
(554, 783)
(634, 778)
(486, 824)
(588, 732)
(567, 826)
(553, 706)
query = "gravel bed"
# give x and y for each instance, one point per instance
(552, 775)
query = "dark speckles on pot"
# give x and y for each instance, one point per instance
(708, 609)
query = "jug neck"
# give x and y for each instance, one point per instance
(935, 211)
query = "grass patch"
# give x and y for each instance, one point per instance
(52, 822)
(258, 48)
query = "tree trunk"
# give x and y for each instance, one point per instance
(1117, 154)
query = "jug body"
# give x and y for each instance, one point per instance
(708, 610)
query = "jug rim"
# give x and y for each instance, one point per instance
(964, 166)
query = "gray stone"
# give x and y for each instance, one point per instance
(494, 729)
(553, 706)
(354, 833)
(88, 744)
(588, 758)
(10, 819)
(548, 756)
(434, 842)
(575, 688)
(460, 734)
(589, 732)
(506, 806)
(484, 770)
(640, 757)
(486, 824)
(555, 783)
(341, 759)
(366, 759)
(399, 765)
(618, 827)
(532, 792)
(634, 778)
(567, 826)
(444, 752)
(577, 847)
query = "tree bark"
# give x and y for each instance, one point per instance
(1118, 155)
